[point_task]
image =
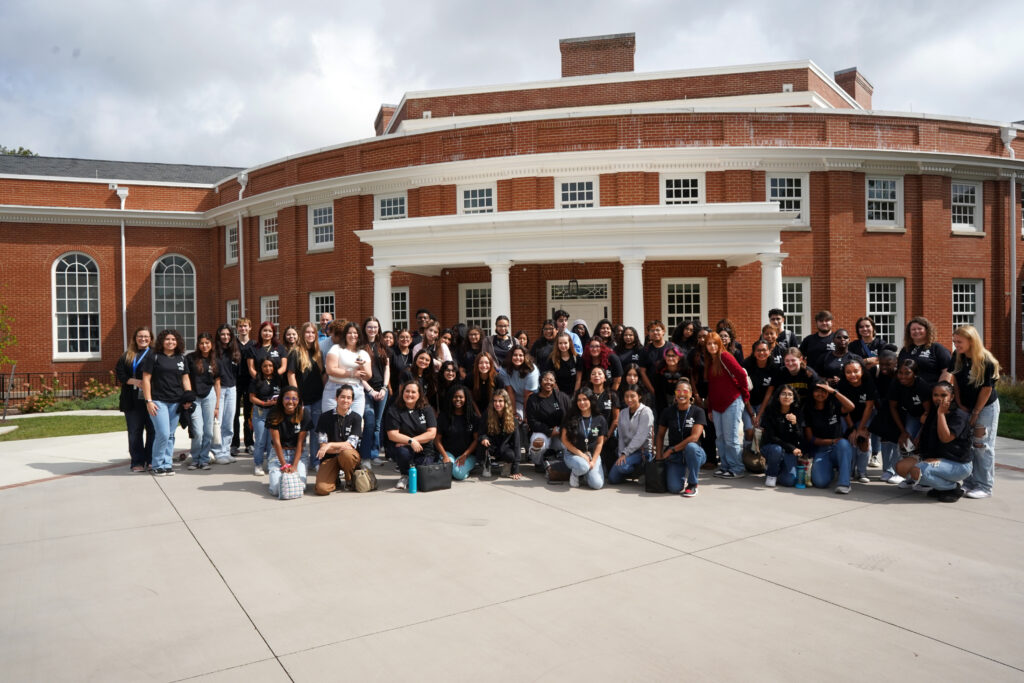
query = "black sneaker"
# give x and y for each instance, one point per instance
(726, 475)
(205, 466)
(950, 496)
(721, 473)
(690, 491)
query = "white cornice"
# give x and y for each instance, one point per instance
(77, 216)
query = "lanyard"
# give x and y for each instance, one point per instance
(586, 431)
(679, 425)
(138, 360)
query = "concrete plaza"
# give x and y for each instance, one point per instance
(114, 576)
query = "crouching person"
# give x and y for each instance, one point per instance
(945, 447)
(684, 423)
(288, 425)
(340, 431)
(635, 425)
(499, 434)
(583, 437)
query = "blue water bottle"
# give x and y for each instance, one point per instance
(801, 477)
(412, 479)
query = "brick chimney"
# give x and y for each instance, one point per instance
(854, 83)
(383, 118)
(597, 54)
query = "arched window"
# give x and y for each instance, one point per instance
(174, 297)
(76, 307)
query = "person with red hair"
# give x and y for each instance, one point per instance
(728, 391)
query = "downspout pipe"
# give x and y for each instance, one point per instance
(1007, 134)
(243, 180)
(122, 194)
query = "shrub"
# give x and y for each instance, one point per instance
(97, 389)
(43, 399)
(1011, 395)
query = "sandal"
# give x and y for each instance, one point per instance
(515, 476)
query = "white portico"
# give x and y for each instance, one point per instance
(737, 233)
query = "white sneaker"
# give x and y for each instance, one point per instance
(894, 479)
(403, 483)
(770, 481)
(863, 479)
(843, 489)
(257, 471)
(224, 460)
(978, 493)
(574, 480)
(874, 461)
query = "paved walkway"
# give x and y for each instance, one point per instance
(202, 576)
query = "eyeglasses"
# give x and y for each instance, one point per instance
(288, 399)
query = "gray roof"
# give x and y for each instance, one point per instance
(11, 164)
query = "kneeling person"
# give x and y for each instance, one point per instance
(340, 431)
(684, 423)
(945, 449)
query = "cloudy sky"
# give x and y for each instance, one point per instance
(238, 84)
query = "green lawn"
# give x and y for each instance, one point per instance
(1011, 425)
(63, 425)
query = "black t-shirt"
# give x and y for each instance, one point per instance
(399, 362)
(588, 431)
(780, 431)
(544, 414)
(409, 423)
(500, 348)
(802, 382)
(378, 365)
(859, 396)
(565, 374)
(761, 378)
(968, 392)
(605, 402)
(832, 365)
(910, 399)
(456, 432)
(229, 370)
(264, 390)
(482, 395)
(651, 356)
(680, 423)
(166, 373)
(664, 384)
(931, 361)
(629, 356)
(542, 348)
(815, 347)
(289, 431)
(200, 373)
(310, 381)
(243, 367)
(959, 449)
(826, 423)
(275, 353)
(348, 428)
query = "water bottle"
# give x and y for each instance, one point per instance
(412, 479)
(801, 477)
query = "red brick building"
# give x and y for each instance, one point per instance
(703, 193)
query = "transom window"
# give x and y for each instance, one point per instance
(399, 308)
(681, 190)
(967, 303)
(268, 236)
(270, 310)
(475, 302)
(885, 306)
(477, 199)
(76, 307)
(966, 205)
(321, 227)
(391, 207)
(683, 299)
(320, 302)
(577, 194)
(790, 191)
(884, 201)
(796, 304)
(231, 244)
(174, 297)
(586, 290)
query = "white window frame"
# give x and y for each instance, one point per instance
(311, 243)
(978, 319)
(484, 321)
(231, 244)
(978, 226)
(265, 221)
(402, 324)
(265, 306)
(559, 182)
(803, 319)
(463, 189)
(805, 194)
(898, 221)
(314, 315)
(381, 198)
(900, 305)
(76, 355)
(666, 177)
(666, 282)
(232, 319)
(190, 339)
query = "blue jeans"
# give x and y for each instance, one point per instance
(260, 435)
(313, 411)
(619, 473)
(202, 427)
(890, 456)
(579, 466)
(829, 459)
(228, 399)
(462, 472)
(729, 436)
(165, 422)
(373, 421)
(139, 425)
(943, 475)
(274, 469)
(684, 468)
(984, 471)
(780, 463)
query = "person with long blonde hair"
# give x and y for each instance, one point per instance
(306, 371)
(500, 438)
(973, 372)
(128, 372)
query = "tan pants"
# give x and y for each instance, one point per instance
(327, 474)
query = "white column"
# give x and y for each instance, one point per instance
(633, 292)
(771, 283)
(501, 292)
(382, 294)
